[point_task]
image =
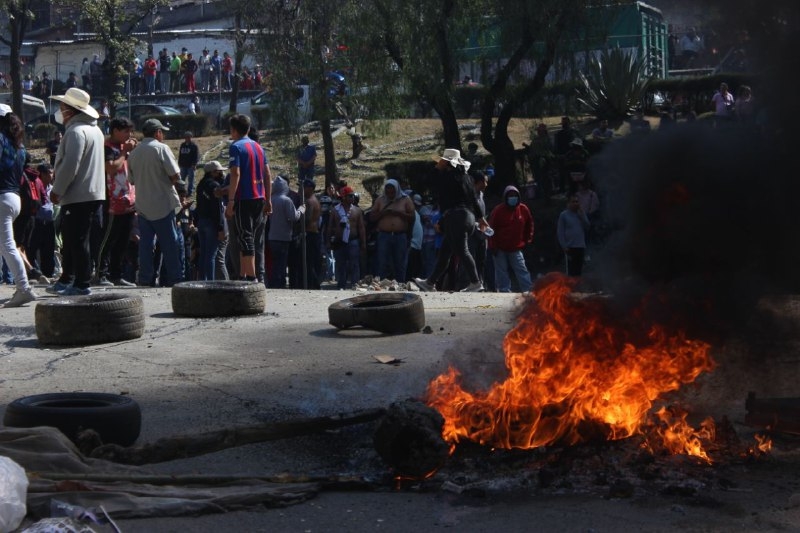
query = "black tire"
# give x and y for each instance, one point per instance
(117, 419)
(387, 312)
(92, 319)
(218, 298)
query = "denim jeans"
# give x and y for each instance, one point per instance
(220, 260)
(348, 268)
(187, 175)
(207, 231)
(428, 258)
(167, 233)
(516, 262)
(10, 204)
(392, 255)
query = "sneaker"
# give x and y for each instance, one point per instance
(122, 283)
(104, 282)
(20, 298)
(424, 286)
(44, 280)
(75, 291)
(57, 288)
(474, 287)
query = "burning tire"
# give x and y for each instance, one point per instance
(387, 312)
(117, 419)
(92, 319)
(218, 298)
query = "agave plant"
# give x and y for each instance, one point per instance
(613, 84)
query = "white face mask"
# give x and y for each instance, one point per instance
(58, 117)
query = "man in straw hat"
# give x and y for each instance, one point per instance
(455, 192)
(79, 188)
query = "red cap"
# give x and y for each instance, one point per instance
(346, 190)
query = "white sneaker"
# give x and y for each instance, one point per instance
(474, 287)
(20, 298)
(424, 286)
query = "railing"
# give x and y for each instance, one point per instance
(688, 72)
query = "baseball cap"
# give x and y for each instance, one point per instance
(211, 166)
(346, 191)
(417, 199)
(151, 125)
(5, 109)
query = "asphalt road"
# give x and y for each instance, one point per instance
(194, 375)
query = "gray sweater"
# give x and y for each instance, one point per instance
(284, 214)
(80, 171)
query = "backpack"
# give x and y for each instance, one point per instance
(29, 193)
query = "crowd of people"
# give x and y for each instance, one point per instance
(165, 73)
(110, 210)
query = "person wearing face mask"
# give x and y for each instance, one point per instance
(79, 188)
(513, 230)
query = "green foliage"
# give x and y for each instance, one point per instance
(613, 85)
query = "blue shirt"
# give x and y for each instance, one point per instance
(12, 160)
(251, 160)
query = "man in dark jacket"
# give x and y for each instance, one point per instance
(455, 192)
(188, 156)
(211, 225)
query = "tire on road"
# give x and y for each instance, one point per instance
(117, 419)
(387, 312)
(92, 319)
(218, 298)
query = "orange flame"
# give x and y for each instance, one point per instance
(574, 372)
(763, 444)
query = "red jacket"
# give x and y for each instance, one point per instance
(513, 227)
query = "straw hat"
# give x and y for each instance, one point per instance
(453, 156)
(79, 99)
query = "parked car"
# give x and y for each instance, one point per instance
(47, 118)
(32, 107)
(136, 111)
(265, 107)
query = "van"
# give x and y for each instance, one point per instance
(267, 107)
(32, 107)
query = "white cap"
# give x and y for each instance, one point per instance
(5, 109)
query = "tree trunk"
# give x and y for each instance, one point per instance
(447, 115)
(330, 153)
(17, 25)
(500, 145)
(238, 56)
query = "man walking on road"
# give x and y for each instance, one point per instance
(154, 171)
(79, 187)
